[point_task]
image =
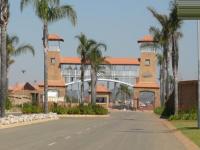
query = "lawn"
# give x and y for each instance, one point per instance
(188, 128)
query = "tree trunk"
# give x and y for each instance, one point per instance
(161, 85)
(45, 45)
(164, 81)
(166, 72)
(176, 92)
(93, 86)
(175, 59)
(3, 69)
(82, 82)
(167, 77)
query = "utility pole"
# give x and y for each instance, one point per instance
(0, 54)
(198, 41)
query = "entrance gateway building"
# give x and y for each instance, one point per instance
(137, 73)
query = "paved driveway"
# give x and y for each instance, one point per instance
(121, 131)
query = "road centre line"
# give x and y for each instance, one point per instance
(51, 144)
(67, 137)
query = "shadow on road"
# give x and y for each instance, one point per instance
(148, 131)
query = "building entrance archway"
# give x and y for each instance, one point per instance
(146, 100)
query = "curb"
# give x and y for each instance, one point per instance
(189, 145)
(83, 116)
(25, 123)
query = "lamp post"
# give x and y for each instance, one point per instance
(23, 93)
(198, 41)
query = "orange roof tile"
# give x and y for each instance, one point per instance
(147, 85)
(102, 89)
(22, 86)
(109, 60)
(70, 60)
(54, 83)
(55, 37)
(146, 38)
(16, 87)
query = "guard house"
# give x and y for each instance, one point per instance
(146, 89)
(56, 84)
(102, 95)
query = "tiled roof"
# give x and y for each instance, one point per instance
(146, 38)
(109, 60)
(22, 86)
(55, 37)
(147, 85)
(54, 83)
(16, 87)
(102, 89)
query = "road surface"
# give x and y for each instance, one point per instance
(121, 131)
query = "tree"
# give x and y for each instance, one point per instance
(160, 63)
(124, 91)
(175, 25)
(12, 50)
(49, 11)
(84, 47)
(4, 17)
(163, 37)
(95, 58)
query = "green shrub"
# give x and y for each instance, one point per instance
(74, 110)
(159, 110)
(185, 115)
(99, 110)
(60, 110)
(8, 104)
(28, 108)
(86, 109)
(81, 109)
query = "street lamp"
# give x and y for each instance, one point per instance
(23, 92)
(190, 10)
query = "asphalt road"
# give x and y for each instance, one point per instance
(121, 131)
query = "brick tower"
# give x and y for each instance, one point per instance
(147, 81)
(56, 84)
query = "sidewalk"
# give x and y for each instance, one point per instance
(179, 135)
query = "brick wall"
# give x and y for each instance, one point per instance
(188, 94)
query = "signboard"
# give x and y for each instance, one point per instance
(188, 9)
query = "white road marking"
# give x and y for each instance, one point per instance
(79, 133)
(87, 129)
(51, 144)
(67, 137)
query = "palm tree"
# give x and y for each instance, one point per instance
(12, 50)
(82, 50)
(163, 37)
(160, 63)
(175, 24)
(124, 91)
(49, 11)
(95, 58)
(4, 17)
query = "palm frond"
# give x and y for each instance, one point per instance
(25, 3)
(24, 49)
(57, 13)
(162, 19)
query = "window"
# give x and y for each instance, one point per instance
(101, 100)
(147, 62)
(53, 60)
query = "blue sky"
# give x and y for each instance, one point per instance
(117, 23)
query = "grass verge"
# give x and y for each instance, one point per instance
(189, 129)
